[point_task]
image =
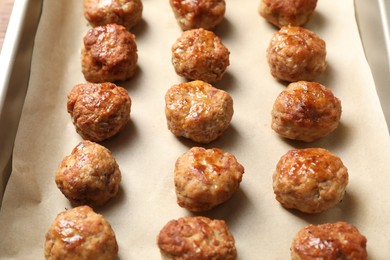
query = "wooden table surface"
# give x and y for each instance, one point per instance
(5, 12)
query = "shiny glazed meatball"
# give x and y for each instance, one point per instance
(331, 241)
(80, 234)
(295, 53)
(311, 180)
(90, 175)
(199, 54)
(109, 54)
(196, 238)
(287, 12)
(206, 178)
(192, 14)
(123, 12)
(198, 111)
(305, 111)
(99, 110)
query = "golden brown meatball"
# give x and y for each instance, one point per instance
(99, 110)
(192, 14)
(305, 111)
(206, 178)
(109, 54)
(333, 241)
(311, 180)
(196, 238)
(123, 12)
(287, 12)
(198, 111)
(295, 53)
(199, 54)
(80, 234)
(90, 175)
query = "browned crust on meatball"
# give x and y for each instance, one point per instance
(109, 54)
(123, 12)
(79, 234)
(198, 111)
(199, 54)
(311, 180)
(295, 53)
(99, 111)
(90, 175)
(330, 241)
(287, 12)
(192, 14)
(306, 111)
(206, 178)
(196, 238)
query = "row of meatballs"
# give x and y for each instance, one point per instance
(198, 111)
(192, 14)
(307, 111)
(109, 52)
(80, 233)
(311, 180)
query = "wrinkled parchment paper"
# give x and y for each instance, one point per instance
(146, 151)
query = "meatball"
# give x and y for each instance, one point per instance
(287, 12)
(99, 110)
(109, 54)
(305, 111)
(198, 111)
(311, 180)
(80, 234)
(206, 178)
(90, 175)
(196, 238)
(295, 53)
(192, 14)
(123, 12)
(199, 54)
(330, 241)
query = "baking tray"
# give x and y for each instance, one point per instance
(25, 234)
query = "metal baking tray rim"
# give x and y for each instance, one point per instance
(15, 63)
(374, 27)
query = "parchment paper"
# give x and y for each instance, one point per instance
(146, 151)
